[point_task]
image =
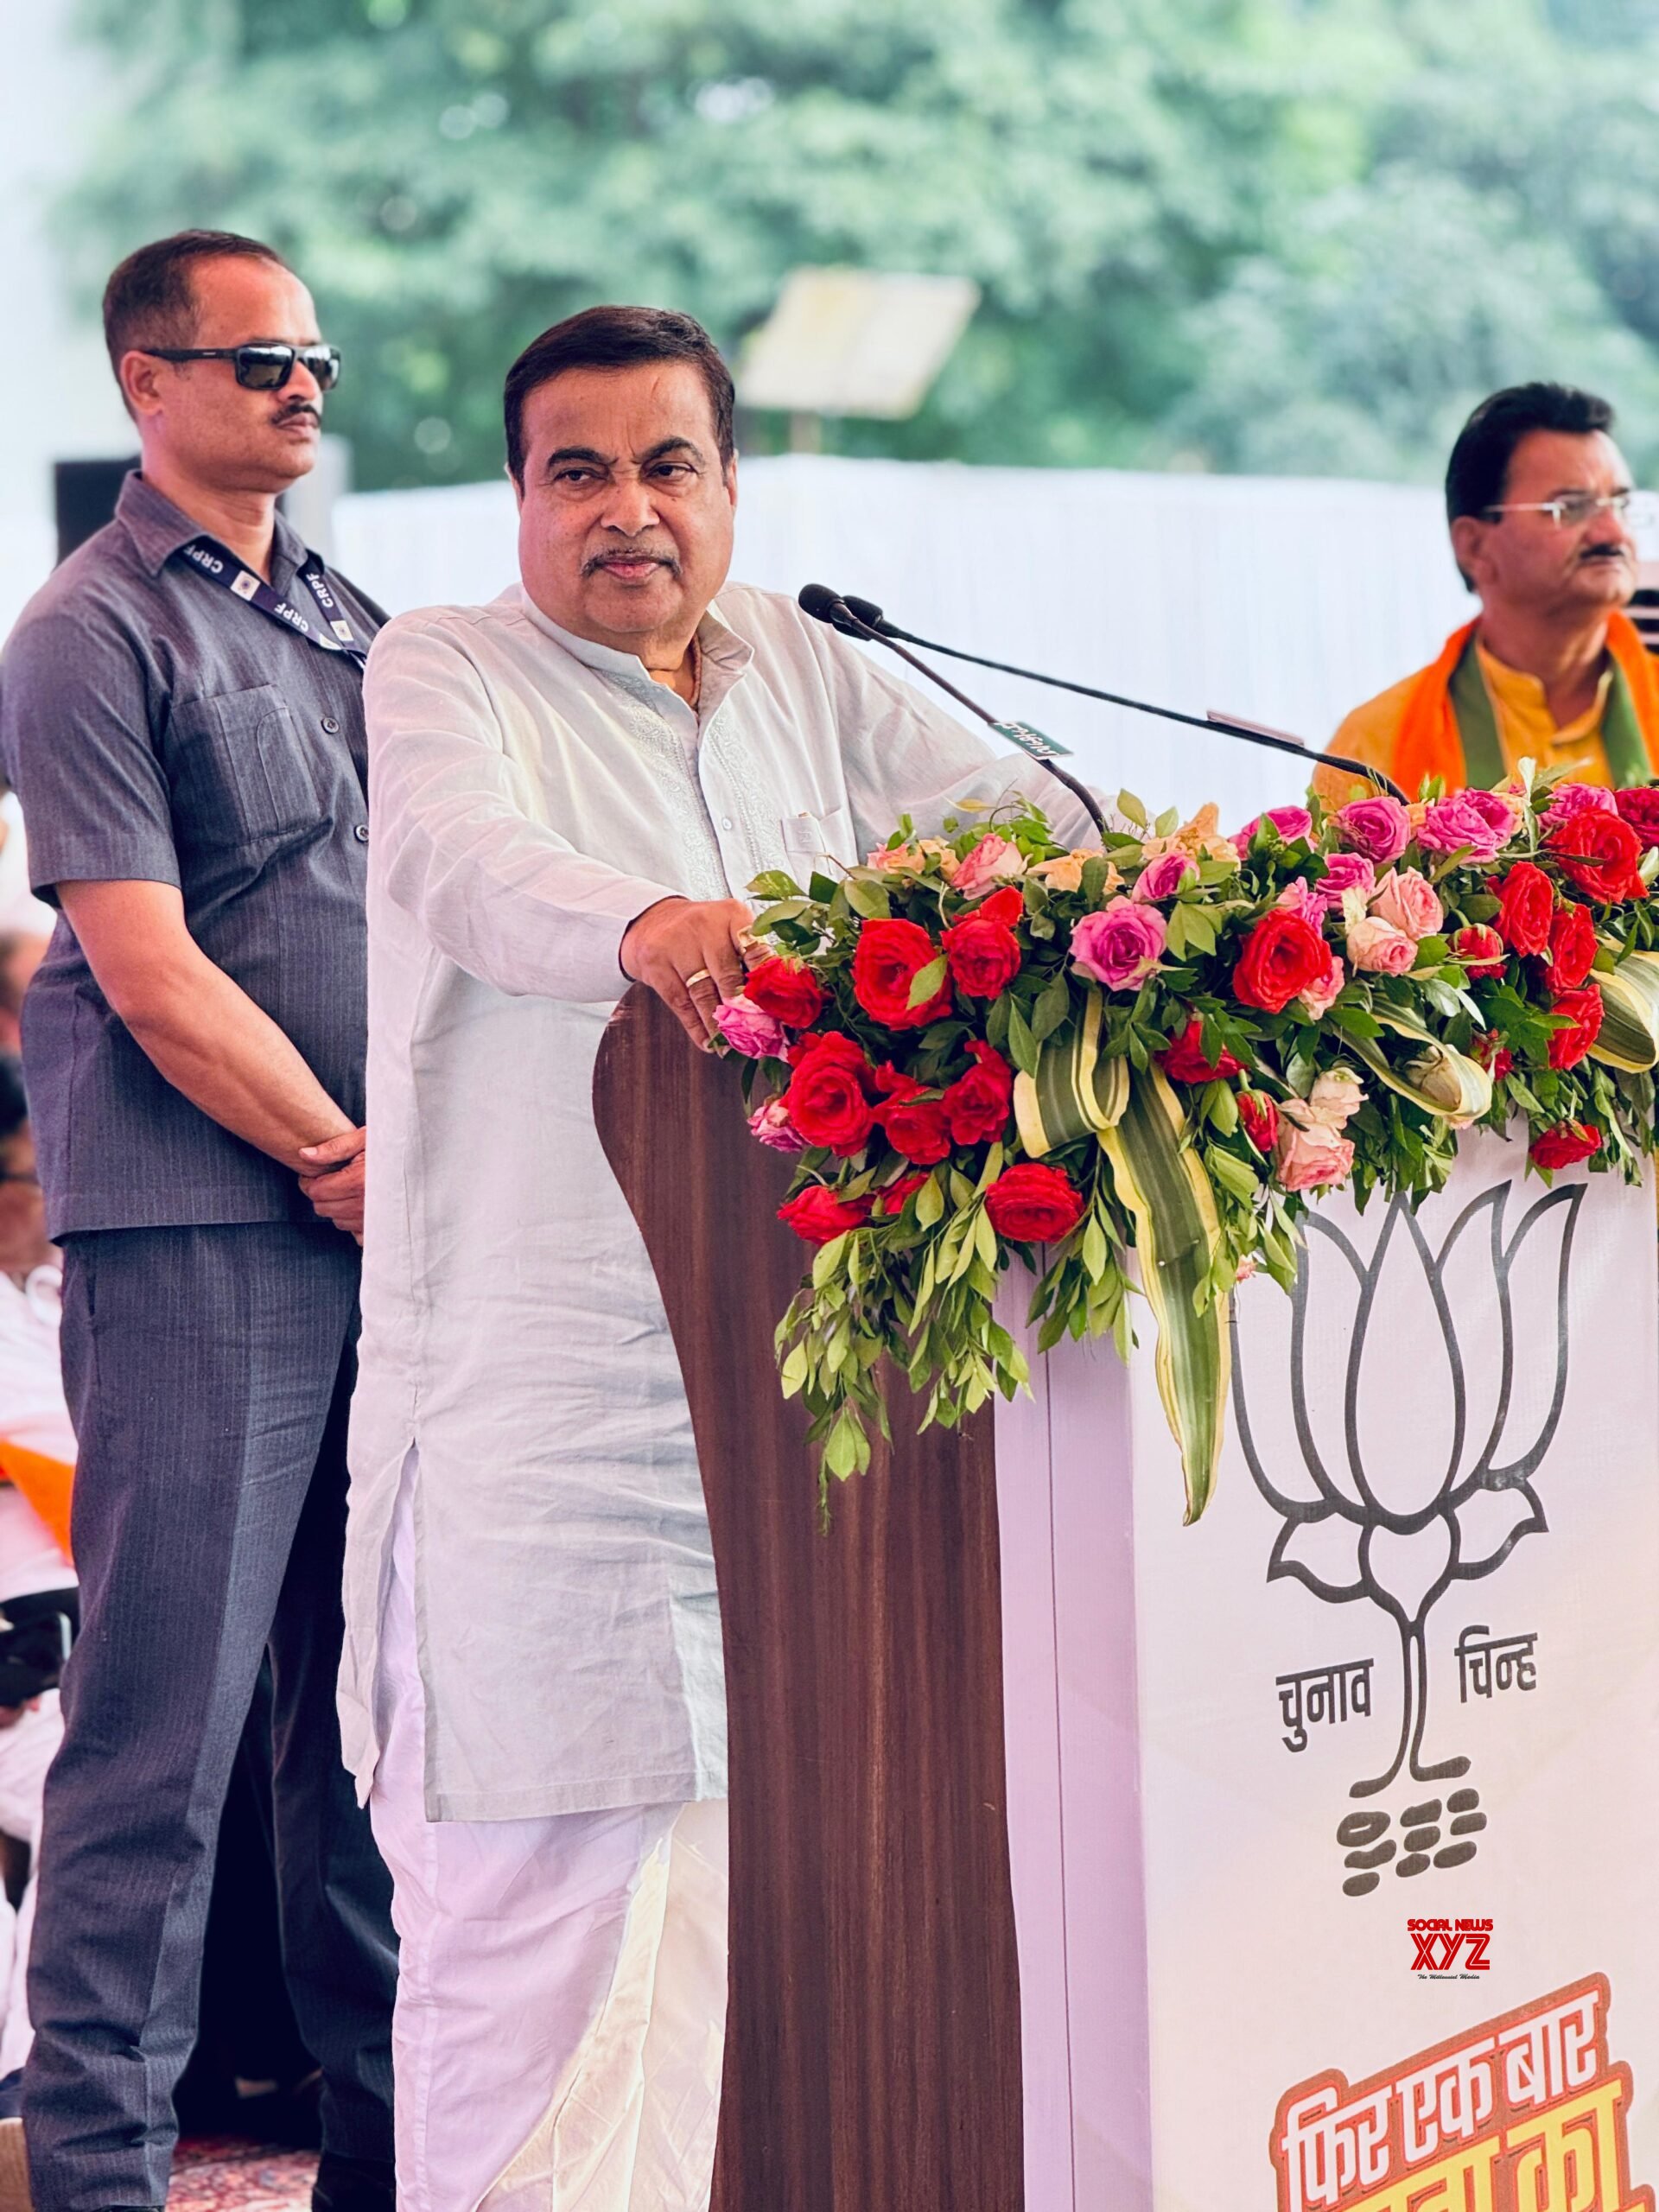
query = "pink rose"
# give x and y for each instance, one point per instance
(1310, 1160)
(1317, 1001)
(1484, 820)
(1344, 872)
(1164, 877)
(1302, 898)
(1409, 900)
(1119, 946)
(1378, 948)
(1291, 822)
(1567, 800)
(992, 860)
(748, 1031)
(1379, 828)
(771, 1124)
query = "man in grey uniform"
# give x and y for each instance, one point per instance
(180, 713)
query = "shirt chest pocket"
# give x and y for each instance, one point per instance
(817, 837)
(241, 770)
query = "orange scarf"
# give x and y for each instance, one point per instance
(46, 1483)
(1428, 744)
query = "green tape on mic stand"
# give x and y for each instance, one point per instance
(1032, 741)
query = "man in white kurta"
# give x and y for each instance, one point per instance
(569, 785)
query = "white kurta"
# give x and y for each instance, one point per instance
(529, 794)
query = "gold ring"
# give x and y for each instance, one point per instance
(701, 976)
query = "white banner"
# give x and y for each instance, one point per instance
(1333, 1817)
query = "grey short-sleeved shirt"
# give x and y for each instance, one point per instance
(157, 728)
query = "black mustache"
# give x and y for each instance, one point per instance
(300, 407)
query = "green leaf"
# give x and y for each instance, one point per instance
(822, 887)
(930, 1202)
(1132, 810)
(778, 883)
(925, 982)
(870, 901)
(787, 910)
(1022, 1046)
(827, 1264)
(1053, 1004)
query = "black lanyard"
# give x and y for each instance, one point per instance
(333, 634)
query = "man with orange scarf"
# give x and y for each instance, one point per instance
(1538, 498)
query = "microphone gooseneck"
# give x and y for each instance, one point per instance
(828, 606)
(866, 612)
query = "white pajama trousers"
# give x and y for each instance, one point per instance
(561, 2012)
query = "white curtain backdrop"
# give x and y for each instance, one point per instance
(1281, 601)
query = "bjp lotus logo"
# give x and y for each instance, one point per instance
(1413, 1404)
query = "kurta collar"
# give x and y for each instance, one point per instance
(724, 658)
(158, 529)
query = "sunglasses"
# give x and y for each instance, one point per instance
(260, 368)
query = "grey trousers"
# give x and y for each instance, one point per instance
(208, 1373)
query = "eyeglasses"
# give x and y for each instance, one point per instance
(9, 1178)
(260, 368)
(1574, 509)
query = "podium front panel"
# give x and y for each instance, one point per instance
(1332, 1816)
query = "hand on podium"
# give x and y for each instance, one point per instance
(692, 953)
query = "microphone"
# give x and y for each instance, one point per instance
(826, 606)
(867, 620)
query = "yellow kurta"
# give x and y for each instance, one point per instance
(1526, 728)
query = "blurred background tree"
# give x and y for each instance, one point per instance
(1296, 236)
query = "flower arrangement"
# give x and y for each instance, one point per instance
(984, 1045)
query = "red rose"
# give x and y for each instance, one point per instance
(1183, 1059)
(1283, 955)
(787, 991)
(1007, 905)
(1572, 946)
(1583, 1009)
(1033, 1204)
(1493, 1054)
(1640, 808)
(1598, 853)
(890, 1198)
(1477, 949)
(977, 1105)
(890, 957)
(916, 1128)
(1526, 902)
(893, 1082)
(828, 1098)
(819, 1216)
(983, 955)
(1260, 1119)
(1565, 1145)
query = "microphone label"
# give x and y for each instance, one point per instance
(1032, 741)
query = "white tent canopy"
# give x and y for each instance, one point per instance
(1281, 601)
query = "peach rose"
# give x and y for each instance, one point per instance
(1335, 1098)
(1379, 948)
(1409, 900)
(1310, 1160)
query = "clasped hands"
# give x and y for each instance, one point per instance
(694, 953)
(333, 1178)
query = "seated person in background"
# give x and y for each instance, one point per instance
(1551, 670)
(37, 1595)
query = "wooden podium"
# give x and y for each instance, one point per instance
(874, 2037)
(1244, 1788)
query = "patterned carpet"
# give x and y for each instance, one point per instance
(218, 2174)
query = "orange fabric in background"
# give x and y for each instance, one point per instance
(1429, 744)
(46, 1483)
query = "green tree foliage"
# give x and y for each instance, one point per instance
(1295, 235)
